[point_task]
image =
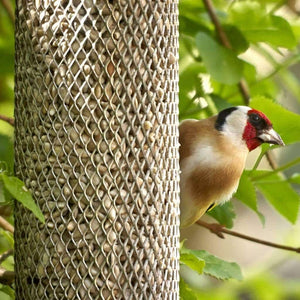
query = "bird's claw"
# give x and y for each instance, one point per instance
(217, 229)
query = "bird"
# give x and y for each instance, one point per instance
(212, 157)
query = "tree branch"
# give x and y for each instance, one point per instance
(6, 225)
(213, 16)
(9, 120)
(5, 255)
(9, 9)
(242, 85)
(219, 230)
(6, 277)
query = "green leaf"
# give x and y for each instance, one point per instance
(7, 238)
(8, 263)
(186, 293)
(257, 25)
(286, 123)
(192, 262)
(246, 194)
(279, 34)
(7, 292)
(221, 63)
(237, 40)
(279, 193)
(190, 25)
(2, 195)
(215, 266)
(5, 197)
(6, 151)
(18, 190)
(248, 15)
(295, 178)
(224, 214)
(7, 56)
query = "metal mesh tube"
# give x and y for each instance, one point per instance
(96, 142)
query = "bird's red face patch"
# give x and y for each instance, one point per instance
(257, 121)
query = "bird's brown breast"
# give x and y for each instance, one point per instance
(214, 164)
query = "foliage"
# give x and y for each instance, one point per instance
(13, 188)
(203, 262)
(211, 73)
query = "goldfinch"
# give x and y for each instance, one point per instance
(213, 153)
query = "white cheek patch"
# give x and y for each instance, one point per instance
(235, 125)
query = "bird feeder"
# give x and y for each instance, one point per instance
(96, 142)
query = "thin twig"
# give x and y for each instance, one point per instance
(213, 16)
(9, 120)
(9, 9)
(243, 88)
(242, 85)
(6, 225)
(219, 230)
(5, 255)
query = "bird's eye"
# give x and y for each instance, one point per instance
(255, 118)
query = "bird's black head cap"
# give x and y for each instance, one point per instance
(221, 119)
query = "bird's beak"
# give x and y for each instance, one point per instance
(270, 136)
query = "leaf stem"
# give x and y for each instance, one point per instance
(261, 155)
(282, 168)
(219, 230)
(9, 120)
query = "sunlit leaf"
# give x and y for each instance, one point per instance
(257, 25)
(18, 190)
(279, 33)
(246, 194)
(248, 14)
(6, 292)
(192, 261)
(215, 266)
(279, 193)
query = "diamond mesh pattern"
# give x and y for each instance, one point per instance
(97, 144)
